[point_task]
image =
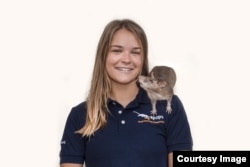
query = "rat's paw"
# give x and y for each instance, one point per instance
(169, 109)
(153, 112)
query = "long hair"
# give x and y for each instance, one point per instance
(100, 88)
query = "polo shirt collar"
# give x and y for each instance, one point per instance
(141, 97)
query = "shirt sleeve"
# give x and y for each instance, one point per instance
(178, 130)
(72, 144)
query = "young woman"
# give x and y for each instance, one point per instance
(114, 127)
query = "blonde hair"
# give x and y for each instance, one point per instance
(100, 89)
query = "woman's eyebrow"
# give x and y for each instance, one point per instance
(137, 48)
(117, 46)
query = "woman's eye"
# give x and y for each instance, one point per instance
(137, 53)
(116, 50)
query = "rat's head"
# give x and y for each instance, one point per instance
(165, 75)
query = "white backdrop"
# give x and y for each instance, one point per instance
(47, 51)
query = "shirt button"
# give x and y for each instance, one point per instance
(120, 112)
(123, 122)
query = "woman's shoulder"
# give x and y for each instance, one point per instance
(78, 112)
(176, 100)
(176, 105)
(80, 107)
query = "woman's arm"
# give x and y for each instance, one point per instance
(73, 145)
(71, 165)
(170, 159)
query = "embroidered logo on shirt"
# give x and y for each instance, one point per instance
(150, 118)
(63, 142)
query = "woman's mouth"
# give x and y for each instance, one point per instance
(124, 69)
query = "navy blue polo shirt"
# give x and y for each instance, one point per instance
(132, 136)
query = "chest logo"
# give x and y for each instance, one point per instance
(150, 118)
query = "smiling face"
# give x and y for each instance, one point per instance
(124, 59)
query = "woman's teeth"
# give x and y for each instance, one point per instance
(124, 69)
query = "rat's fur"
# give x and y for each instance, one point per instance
(159, 86)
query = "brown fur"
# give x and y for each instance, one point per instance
(159, 85)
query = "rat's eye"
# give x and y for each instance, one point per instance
(152, 80)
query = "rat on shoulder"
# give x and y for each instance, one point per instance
(159, 85)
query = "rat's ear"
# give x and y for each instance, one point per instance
(161, 84)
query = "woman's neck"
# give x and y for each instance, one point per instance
(124, 94)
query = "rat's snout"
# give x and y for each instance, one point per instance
(141, 78)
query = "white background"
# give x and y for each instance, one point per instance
(47, 51)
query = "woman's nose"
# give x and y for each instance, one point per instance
(126, 57)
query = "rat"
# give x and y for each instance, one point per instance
(159, 85)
